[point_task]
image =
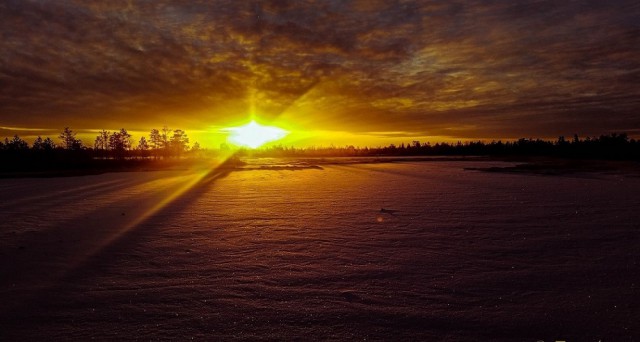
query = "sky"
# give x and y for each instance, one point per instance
(361, 72)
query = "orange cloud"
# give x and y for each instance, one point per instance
(429, 67)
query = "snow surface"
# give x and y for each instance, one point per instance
(308, 254)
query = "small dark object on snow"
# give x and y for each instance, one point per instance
(388, 211)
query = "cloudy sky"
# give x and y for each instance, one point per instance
(371, 71)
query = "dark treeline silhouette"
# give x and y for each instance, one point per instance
(162, 146)
(612, 146)
(164, 143)
(110, 150)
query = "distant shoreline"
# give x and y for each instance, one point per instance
(525, 165)
(561, 167)
(101, 166)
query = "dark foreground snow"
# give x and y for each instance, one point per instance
(308, 254)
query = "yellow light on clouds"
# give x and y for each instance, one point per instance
(254, 134)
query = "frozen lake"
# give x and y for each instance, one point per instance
(277, 254)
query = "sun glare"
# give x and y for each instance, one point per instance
(254, 135)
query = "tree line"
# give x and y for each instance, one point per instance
(161, 143)
(111, 150)
(611, 146)
(166, 144)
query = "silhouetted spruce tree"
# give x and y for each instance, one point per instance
(38, 144)
(16, 144)
(142, 144)
(101, 144)
(43, 150)
(69, 140)
(143, 147)
(165, 137)
(102, 140)
(155, 142)
(120, 142)
(179, 142)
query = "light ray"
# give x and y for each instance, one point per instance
(193, 180)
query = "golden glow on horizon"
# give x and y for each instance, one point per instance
(254, 135)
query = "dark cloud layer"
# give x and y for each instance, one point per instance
(447, 68)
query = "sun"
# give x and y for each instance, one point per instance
(254, 135)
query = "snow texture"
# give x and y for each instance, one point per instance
(273, 254)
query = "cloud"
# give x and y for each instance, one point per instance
(467, 69)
